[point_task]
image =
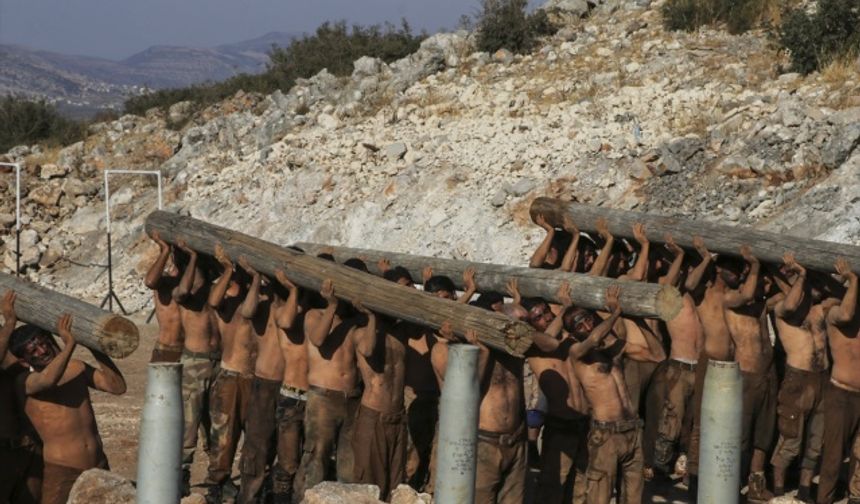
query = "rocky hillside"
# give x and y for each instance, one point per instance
(441, 153)
(82, 85)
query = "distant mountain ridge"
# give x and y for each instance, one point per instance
(82, 85)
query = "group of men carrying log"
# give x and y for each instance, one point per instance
(320, 387)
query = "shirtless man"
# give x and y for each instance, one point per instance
(276, 313)
(235, 299)
(168, 347)
(673, 382)
(200, 356)
(379, 437)
(615, 437)
(564, 459)
(56, 399)
(841, 401)
(20, 455)
(333, 393)
(747, 324)
(290, 412)
(800, 326)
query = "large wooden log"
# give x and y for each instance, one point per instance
(92, 327)
(307, 271)
(768, 247)
(637, 298)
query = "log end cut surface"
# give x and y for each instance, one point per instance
(118, 336)
(669, 303)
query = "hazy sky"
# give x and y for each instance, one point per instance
(119, 28)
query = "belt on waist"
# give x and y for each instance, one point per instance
(789, 367)
(294, 393)
(213, 356)
(690, 366)
(566, 424)
(846, 388)
(352, 394)
(229, 372)
(617, 426)
(501, 438)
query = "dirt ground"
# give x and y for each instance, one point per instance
(118, 423)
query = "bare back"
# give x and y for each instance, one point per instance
(383, 374)
(332, 365)
(64, 419)
(803, 336)
(748, 328)
(295, 354)
(686, 332)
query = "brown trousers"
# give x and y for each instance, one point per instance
(57, 481)
(228, 407)
(674, 384)
(20, 474)
(501, 471)
(611, 444)
(379, 444)
(422, 413)
(841, 429)
(695, 433)
(800, 418)
(329, 419)
(564, 461)
(759, 411)
(258, 451)
(198, 372)
(290, 416)
(166, 353)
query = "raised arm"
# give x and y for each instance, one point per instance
(471, 337)
(601, 264)
(216, 295)
(742, 296)
(540, 254)
(674, 274)
(10, 319)
(572, 254)
(557, 324)
(844, 313)
(186, 281)
(640, 270)
(107, 378)
(252, 298)
(513, 290)
(153, 276)
(321, 327)
(365, 337)
(695, 276)
(597, 335)
(49, 376)
(383, 265)
(287, 313)
(470, 285)
(791, 302)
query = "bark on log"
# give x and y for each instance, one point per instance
(766, 246)
(382, 296)
(637, 298)
(92, 327)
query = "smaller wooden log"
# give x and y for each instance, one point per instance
(92, 327)
(767, 247)
(638, 299)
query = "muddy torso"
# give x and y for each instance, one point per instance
(168, 313)
(845, 350)
(502, 403)
(383, 374)
(295, 353)
(199, 325)
(419, 370)
(64, 419)
(238, 337)
(686, 332)
(332, 365)
(718, 344)
(557, 380)
(270, 361)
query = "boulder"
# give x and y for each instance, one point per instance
(330, 492)
(842, 143)
(503, 56)
(366, 67)
(97, 486)
(395, 151)
(565, 11)
(51, 170)
(405, 494)
(180, 111)
(46, 195)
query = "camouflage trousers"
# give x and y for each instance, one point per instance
(198, 371)
(228, 406)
